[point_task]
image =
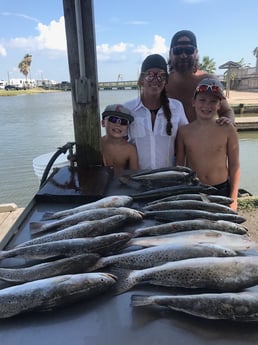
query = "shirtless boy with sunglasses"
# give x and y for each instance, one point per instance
(211, 150)
(117, 152)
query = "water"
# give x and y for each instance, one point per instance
(32, 125)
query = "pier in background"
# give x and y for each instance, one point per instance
(118, 85)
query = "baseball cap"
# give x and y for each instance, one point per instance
(154, 61)
(211, 85)
(187, 33)
(118, 110)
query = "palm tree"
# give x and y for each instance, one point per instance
(255, 52)
(208, 65)
(24, 65)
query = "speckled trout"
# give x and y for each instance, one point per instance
(109, 201)
(47, 294)
(237, 306)
(189, 225)
(84, 229)
(70, 265)
(209, 273)
(158, 255)
(96, 214)
(190, 204)
(200, 196)
(69, 247)
(232, 241)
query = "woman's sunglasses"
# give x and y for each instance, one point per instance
(115, 119)
(185, 50)
(150, 76)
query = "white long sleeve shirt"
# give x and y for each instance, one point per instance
(156, 149)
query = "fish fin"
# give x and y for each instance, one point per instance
(47, 215)
(129, 183)
(140, 300)
(204, 197)
(124, 281)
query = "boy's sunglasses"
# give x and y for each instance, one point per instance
(115, 119)
(212, 88)
(150, 76)
(181, 50)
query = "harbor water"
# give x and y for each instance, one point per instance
(32, 125)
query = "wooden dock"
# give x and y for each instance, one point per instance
(247, 123)
(9, 213)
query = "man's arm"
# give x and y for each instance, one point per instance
(227, 112)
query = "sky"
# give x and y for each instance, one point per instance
(126, 32)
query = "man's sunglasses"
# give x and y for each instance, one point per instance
(115, 119)
(150, 76)
(212, 88)
(185, 50)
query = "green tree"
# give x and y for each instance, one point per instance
(242, 63)
(255, 52)
(24, 65)
(208, 65)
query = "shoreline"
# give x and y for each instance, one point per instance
(235, 97)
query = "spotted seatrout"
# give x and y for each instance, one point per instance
(158, 255)
(84, 229)
(62, 248)
(232, 241)
(47, 294)
(70, 265)
(193, 224)
(96, 214)
(209, 273)
(190, 204)
(237, 306)
(109, 201)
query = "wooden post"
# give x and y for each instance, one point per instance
(81, 47)
(228, 82)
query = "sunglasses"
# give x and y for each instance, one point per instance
(152, 75)
(115, 119)
(212, 88)
(185, 50)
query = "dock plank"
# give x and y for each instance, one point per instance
(7, 219)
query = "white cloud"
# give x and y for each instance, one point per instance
(51, 37)
(121, 51)
(158, 47)
(2, 50)
(107, 52)
(19, 15)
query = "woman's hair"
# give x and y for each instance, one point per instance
(164, 103)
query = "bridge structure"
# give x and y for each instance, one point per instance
(118, 85)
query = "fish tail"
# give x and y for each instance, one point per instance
(124, 280)
(36, 227)
(4, 254)
(47, 215)
(140, 300)
(98, 265)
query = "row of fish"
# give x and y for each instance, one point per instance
(189, 253)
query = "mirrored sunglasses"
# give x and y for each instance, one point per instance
(150, 76)
(186, 50)
(213, 88)
(118, 120)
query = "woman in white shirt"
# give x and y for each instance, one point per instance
(156, 117)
